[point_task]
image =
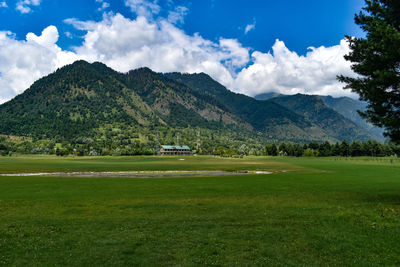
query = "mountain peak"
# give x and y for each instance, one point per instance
(82, 98)
(141, 70)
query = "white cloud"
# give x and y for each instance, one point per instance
(177, 16)
(145, 8)
(250, 27)
(48, 37)
(3, 4)
(286, 72)
(236, 55)
(125, 44)
(104, 5)
(24, 6)
(69, 35)
(23, 62)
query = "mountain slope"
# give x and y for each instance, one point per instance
(314, 109)
(270, 118)
(73, 101)
(345, 106)
(80, 98)
(92, 100)
(348, 108)
(284, 117)
(176, 103)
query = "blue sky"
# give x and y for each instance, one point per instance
(242, 44)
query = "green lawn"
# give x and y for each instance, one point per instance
(309, 211)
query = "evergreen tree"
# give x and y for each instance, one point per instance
(355, 149)
(344, 148)
(313, 145)
(325, 149)
(282, 148)
(271, 150)
(336, 149)
(376, 59)
(298, 150)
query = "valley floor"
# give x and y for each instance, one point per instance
(314, 211)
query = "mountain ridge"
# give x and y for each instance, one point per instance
(82, 98)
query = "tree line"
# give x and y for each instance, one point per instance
(326, 149)
(124, 146)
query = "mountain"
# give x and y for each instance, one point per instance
(270, 119)
(262, 116)
(175, 103)
(345, 106)
(313, 119)
(84, 100)
(74, 101)
(315, 110)
(79, 99)
(348, 107)
(267, 96)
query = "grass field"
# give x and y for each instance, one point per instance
(310, 211)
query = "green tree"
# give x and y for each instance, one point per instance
(298, 150)
(271, 150)
(3, 150)
(325, 149)
(336, 149)
(376, 58)
(344, 148)
(355, 149)
(282, 148)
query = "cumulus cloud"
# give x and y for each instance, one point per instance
(125, 44)
(24, 6)
(286, 72)
(145, 8)
(23, 62)
(3, 4)
(236, 56)
(250, 27)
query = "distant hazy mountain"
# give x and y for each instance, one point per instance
(348, 108)
(267, 96)
(314, 109)
(85, 99)
(345, 106)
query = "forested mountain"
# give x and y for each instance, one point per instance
(345, 106)
(298, 117)
(331, 122)
(85, 100)
(348, 108)
(74, 101)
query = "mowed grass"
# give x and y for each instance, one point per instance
(35, 164)
(308, 212)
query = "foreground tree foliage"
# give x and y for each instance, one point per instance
(376, 59)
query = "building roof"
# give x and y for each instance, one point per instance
(175, 147)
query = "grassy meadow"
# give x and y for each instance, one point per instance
(309, 211)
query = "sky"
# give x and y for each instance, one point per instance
(251, 47)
